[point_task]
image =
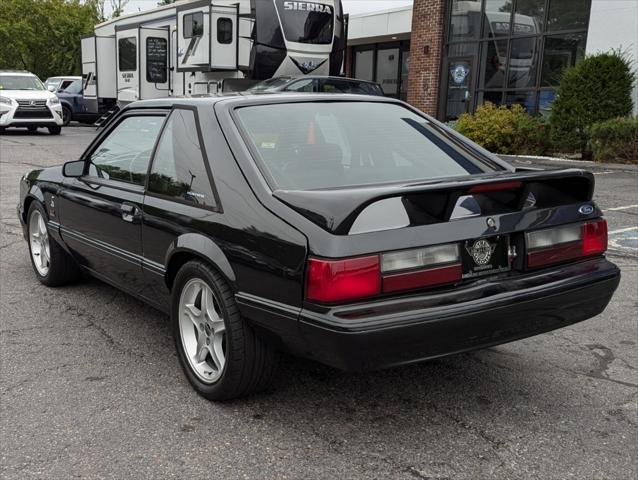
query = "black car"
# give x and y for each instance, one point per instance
(317, 84)
(352, 230)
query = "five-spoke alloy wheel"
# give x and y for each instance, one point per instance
(202, 330)
(222, 356)
(39, 243)
(52, 264)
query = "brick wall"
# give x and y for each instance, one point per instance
(426, 49)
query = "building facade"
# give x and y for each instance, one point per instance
(447, 57)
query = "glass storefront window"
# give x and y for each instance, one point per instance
(523, 62)
(529, 17)
(526, 99)
(388, 69)
(561, 51)
(497, 18)
(405, 69)
(493, 97)
(518, 55)
(493, 61)
(568, 15)
(465, 21)
(364, 64)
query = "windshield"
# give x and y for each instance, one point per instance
(20, 82)
(315, 145)
(306, 22)
(270, 84)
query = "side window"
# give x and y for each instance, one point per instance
(224, 30)
(193, 24)
(179, 170)
(305, 85)
(127, 54)
(64, 86)
(125, 153)
(75, 88)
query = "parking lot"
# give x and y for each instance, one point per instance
(91, 386)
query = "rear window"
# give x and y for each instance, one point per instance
(318, 145)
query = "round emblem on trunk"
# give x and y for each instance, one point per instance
(481, 251)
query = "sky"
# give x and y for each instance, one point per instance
(349, 6)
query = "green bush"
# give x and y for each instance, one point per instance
(615, 140)
(596, 89)
(505, 130)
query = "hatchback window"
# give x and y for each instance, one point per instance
(124, 155)
(340, 144)
(179, 168)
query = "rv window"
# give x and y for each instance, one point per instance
(179, 167)
(306, 22)
(127, 54)
(156, 60)
(193, 24)
(224, 30)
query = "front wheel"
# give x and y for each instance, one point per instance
(54, 130)
(219, 352)
(52, 264)
(67, 115)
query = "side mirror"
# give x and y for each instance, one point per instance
(73, 169)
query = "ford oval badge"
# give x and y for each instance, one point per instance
(586, 209)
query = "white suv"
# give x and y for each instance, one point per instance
(24, 102)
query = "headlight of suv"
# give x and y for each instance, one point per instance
(53, 101)
(5, 101)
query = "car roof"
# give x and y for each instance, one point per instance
(65, 77)
(246, 98)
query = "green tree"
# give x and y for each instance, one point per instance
(596, 89)
(117, 7)
(43, 36)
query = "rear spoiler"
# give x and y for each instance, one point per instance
(335, 210)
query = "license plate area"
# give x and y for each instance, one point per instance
(485, 256)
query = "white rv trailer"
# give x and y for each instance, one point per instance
(195, 46)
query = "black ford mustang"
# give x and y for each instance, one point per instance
(351, 230)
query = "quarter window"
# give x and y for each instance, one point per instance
(179, 168)
(193, 24)
(224, 30)
(125, 153)
(127, 54)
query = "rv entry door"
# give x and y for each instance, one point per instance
(154, 60)
(128, 68)
(223, 38)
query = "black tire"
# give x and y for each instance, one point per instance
(54, 130)
(62, 267)
(67, 115)
(32, 129)
(250, 361)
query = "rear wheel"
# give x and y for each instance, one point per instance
(67, 115)
(54, 130)
(52, 264)
(220, 353)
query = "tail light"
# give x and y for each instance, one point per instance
(567, 242)
(332, 281)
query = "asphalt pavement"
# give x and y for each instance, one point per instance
(91, 386)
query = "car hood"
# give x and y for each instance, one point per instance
(29, 94)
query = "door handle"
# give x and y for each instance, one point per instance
(129, 212)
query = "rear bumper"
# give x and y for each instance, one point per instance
(388, 333)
